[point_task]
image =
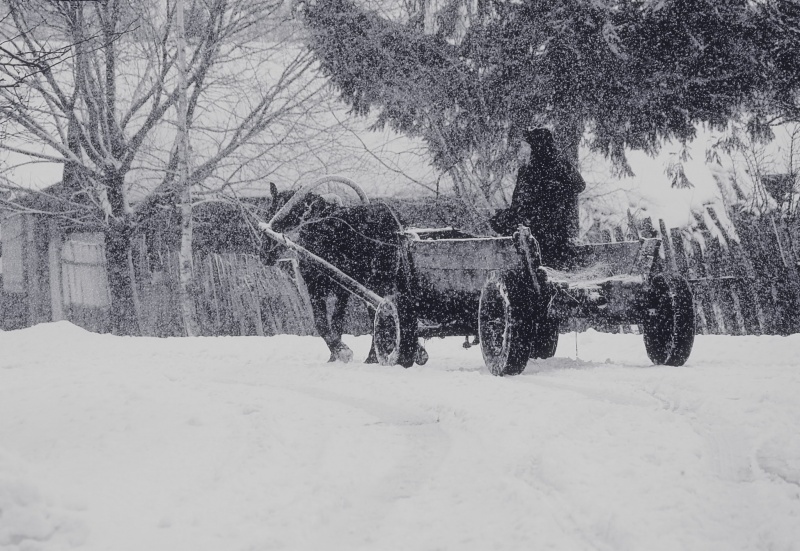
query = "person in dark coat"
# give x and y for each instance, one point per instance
(545, 199)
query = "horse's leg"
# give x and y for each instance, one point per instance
(319, 308)
(318, 291)
(384, 286)
(341, 350)
(421, 355)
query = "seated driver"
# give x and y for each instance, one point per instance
(544, 199)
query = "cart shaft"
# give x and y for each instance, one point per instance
(370, 298)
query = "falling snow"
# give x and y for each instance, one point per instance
(243, 443)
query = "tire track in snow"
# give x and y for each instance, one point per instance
(748, 471)
(526, 502)
(412, 431)
(443, 475)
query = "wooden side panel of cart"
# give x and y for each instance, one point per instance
(449, 276)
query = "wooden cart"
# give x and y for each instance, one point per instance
(454, 283)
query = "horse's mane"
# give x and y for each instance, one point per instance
(313, 207)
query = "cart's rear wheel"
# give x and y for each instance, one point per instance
(394, 337)
(669, 320)
(503, 327)
(545, 339)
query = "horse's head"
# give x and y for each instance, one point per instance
(311, 207)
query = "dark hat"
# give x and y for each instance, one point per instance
(537, 136)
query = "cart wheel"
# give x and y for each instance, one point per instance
(669, 320)
(545, 339)
(503, 327)
(394, 336)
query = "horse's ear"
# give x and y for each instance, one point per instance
(273, 189)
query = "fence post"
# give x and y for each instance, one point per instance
(742, 289)
(722, 287)
(703, 290)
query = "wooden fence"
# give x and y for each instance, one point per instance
(744, 282)
(747, 283)
(235, 294)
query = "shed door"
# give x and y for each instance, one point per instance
(83, 271)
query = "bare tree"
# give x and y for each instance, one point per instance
(19, 63)
(108, 112)
(763, 172)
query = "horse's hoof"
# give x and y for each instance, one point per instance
(421, 355)
(341, 354)
(372, 358)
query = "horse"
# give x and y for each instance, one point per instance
(363, 241)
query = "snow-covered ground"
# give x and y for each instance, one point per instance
(228, 444)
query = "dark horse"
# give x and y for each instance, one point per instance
(363, 241)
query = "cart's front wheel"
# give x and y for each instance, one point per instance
(394, 336)
(503, 327)
(669, 320)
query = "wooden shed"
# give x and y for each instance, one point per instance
(49, 275)
(53, 271)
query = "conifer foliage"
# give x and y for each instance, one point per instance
(634, 72)
(779, 57)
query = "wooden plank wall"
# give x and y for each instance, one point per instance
(239, 295)
(85, 296)
(235, 294)
(14, 297)
(747, 283)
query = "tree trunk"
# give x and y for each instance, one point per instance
(119, 233)
(568, 139)
(186, 285)
(185, 263)
(120, 280)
